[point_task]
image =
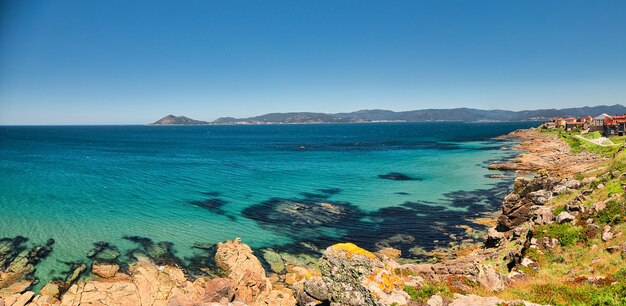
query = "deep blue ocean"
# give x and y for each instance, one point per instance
(271, 185)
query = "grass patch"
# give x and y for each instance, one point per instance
(579, 294)
(423, 294)
(593, 135)
(577, 146)
(558, 210)
(566, 233)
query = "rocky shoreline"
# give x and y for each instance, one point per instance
(344, 275)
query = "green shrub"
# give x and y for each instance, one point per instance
(613, 213)
(579, 176)
(614, 188)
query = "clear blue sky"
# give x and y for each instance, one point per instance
(113, 62)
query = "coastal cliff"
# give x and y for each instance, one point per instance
(557, 240)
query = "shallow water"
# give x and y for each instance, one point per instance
(187, 184)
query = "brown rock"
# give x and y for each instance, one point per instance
(50, 289)
(17, 287)
(24, 298)
(281, 297)
(40, 300)
(599, 206)
(218, 289)
(543, 215)
(593, 231)
(104, 270)
(251, 286)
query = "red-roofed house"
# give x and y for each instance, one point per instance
(615, 125)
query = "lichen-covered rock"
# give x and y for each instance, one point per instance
(296, 274)
(354, 276)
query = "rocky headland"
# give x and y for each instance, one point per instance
(562, 205)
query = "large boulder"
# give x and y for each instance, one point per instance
(354, 276)
(518, 205)
(240, 265)
(250, 284)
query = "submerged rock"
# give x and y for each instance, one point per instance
(395, 240)
(397, 176)
(104, 252)
(162, 252)
(17, 264)
(290, 216)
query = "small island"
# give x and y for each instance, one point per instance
(178, 120)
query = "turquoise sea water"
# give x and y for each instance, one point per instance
(187, 184)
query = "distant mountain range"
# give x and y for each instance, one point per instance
(424, 115)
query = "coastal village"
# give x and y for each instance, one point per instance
(607, 125)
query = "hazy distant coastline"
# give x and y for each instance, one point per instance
(379, 115)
